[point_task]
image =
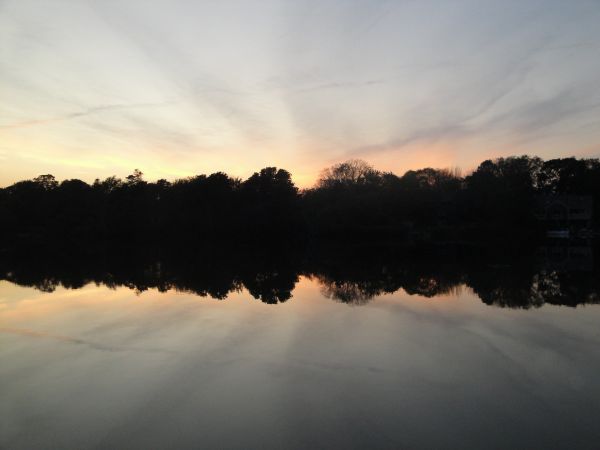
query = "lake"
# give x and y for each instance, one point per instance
(378, 356)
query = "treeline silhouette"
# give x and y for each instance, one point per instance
(349, 199)
(521, 277)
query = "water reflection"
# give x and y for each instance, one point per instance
(551, 274)
(421, 364)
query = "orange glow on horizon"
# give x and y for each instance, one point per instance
(41, 158)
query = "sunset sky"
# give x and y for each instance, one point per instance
(175, 88)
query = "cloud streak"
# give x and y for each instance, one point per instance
(78, 114)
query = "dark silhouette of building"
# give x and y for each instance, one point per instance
(565, 215)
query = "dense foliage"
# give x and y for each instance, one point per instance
(351, 198)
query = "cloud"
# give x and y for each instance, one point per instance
(78, 114)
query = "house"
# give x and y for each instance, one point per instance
(565, 214)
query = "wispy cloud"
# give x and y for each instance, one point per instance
(78, 114)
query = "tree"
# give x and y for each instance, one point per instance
(108, 185)
(270, 202)
(502, 191)
(349, 173)
(272, 182)
(46, 182)
(135, 178)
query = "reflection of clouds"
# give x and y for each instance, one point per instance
(77, 341)
(378, 376)
(337, 367)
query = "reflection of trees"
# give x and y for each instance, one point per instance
(267, 292)
(532, 289)
(46, 285)
(348, 275)
(503, 286)
(354, 278)
(569, 289)
(209, 273)
(360, 290)
(271, 287)
(350, 292)
(432, 285)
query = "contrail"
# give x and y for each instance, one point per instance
(75, 115)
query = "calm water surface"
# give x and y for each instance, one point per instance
(108, 368)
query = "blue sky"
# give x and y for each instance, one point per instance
(94, 88)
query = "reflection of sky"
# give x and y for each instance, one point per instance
(176, 87)
(99, 367)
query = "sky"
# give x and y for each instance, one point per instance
(93, 88)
